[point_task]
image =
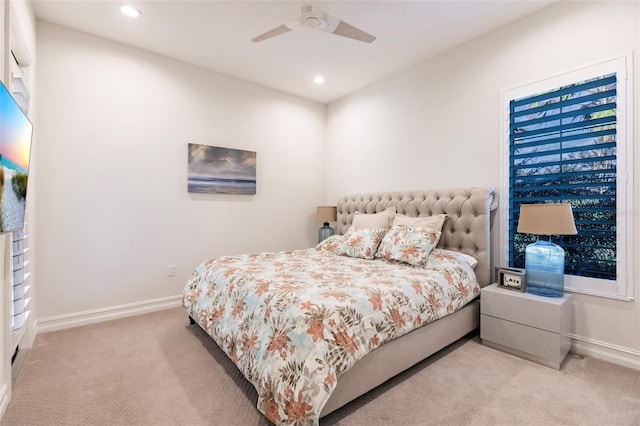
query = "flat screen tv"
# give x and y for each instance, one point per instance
(15, 150)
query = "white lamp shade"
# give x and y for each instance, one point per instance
(547, 219)
(326, 213)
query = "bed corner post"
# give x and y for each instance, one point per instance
(191, 321)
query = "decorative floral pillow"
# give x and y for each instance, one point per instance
(408, 245)
(361, 242)
(331, 244)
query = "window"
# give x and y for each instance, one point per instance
(566, 140)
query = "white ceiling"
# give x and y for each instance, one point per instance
(217, 35)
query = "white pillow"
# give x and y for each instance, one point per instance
(376, 220)
(434, 222)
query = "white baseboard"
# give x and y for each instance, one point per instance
(605, 351)
(105, 314)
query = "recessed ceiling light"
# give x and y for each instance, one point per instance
(319, 79)
(130, 11)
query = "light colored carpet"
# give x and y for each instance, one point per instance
(155, 369)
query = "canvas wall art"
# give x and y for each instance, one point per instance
(15, 149)
(216, 170)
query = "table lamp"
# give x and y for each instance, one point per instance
(544, 260)
(326, 214)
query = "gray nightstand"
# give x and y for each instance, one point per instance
(526, 325)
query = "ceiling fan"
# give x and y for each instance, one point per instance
(315, 19)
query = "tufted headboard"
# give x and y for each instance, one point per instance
(468, 217)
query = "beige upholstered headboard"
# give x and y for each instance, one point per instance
(468, 217)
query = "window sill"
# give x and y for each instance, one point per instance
(596, 294)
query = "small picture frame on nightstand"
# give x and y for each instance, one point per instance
(511, 278)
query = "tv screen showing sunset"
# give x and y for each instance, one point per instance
(15, 147)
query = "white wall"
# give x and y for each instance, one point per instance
(113, 206)
(437, 124)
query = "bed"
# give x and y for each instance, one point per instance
(313, 330)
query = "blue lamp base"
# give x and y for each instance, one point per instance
(325, 232)
(544, 265)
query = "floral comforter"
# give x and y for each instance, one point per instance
(294, 321)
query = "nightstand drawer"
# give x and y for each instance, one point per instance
(545, 313)
(543, 346)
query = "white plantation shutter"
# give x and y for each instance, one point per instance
(21, 289)
(20, 265)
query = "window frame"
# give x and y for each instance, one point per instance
(622, 287)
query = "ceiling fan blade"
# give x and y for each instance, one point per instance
(272, 33)
(345, 30)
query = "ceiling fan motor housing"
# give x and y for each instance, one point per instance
(312, 20)
(315, 19)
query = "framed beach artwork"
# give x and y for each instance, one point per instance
(216, 170)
